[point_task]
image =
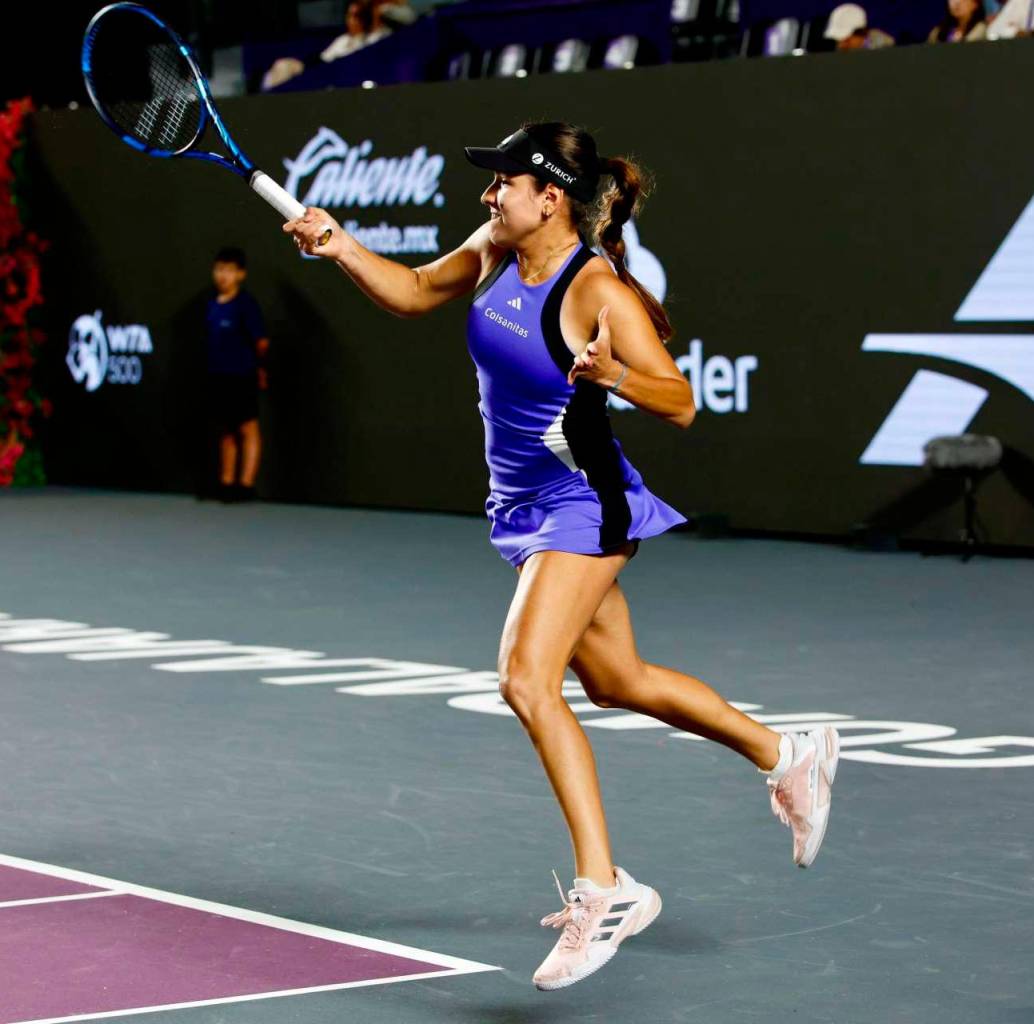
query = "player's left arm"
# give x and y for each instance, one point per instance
(625, 336)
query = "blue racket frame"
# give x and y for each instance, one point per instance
(239, 163)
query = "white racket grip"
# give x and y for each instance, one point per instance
(282, 201)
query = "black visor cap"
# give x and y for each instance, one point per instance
(519, 153)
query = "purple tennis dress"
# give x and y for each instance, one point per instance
(558, 478)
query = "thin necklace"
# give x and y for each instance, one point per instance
(525, 280)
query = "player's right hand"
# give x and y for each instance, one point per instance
(307, 230)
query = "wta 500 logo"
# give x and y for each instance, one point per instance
(97, 353)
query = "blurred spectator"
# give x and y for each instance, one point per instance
(849, 27)
(396, 13)
(965, 21)
(1016, 18)
(366, 22)
(282, 70)
(237, 347)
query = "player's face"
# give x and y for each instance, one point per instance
(515, 207)
(227, 277)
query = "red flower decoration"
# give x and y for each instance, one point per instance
(20, 292)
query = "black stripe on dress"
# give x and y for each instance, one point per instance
(586, 425)
(558, 350)
(493, 276)
(589, 436)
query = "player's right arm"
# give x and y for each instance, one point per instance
(404, 291)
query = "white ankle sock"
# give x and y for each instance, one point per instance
(785, 759)
(588, 883)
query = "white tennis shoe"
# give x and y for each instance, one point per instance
(801, 795)
(595, 921)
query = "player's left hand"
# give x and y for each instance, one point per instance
(596, 363)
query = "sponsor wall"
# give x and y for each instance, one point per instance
(843, 243)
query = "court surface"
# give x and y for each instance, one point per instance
(255, 769)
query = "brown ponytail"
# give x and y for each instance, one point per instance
(620, 202)
(603, 219)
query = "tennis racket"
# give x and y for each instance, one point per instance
(148, 89)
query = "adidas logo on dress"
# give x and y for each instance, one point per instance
(516, 303)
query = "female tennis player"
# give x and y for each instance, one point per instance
(552, 328)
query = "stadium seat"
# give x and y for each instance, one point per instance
(705, 29)
(570, 55)
(458, 67)
(621, 52)
(684, 11)
(510, 61)
(782, 37)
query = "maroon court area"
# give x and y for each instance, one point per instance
(18, 884)
(125, 951)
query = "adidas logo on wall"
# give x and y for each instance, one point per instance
(935, 403)
(515, 303)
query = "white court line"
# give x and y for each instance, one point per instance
(57, 899)
(246, 999)
(452, 963)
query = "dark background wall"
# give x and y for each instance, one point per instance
(800, 205)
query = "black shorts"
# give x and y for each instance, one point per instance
(232, 400)
(631, 554)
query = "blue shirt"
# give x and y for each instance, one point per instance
(232, 329)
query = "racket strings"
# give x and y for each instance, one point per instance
(144, 84)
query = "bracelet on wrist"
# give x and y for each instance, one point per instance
(613, 389)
